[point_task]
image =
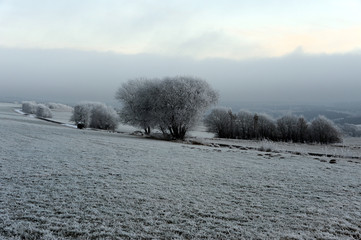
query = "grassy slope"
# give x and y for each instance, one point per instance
(58, 182)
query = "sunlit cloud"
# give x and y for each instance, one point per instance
(231, 30)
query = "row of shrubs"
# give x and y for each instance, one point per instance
(40, 110)
(86, 114)
(246, 125)
(221, 121)
(95, 115)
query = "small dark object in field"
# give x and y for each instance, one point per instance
(196, 143)
(137, 133)
(332, 161)
(263, 149)
(323, 160)
(80, 125)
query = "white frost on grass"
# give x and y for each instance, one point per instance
(19, 111)
(351, 148)
(69, 125)
(22, 113)
(61, 183)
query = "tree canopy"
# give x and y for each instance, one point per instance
(172, 104)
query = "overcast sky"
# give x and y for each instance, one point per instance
(266, 50)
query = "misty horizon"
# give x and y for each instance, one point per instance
(70, 76)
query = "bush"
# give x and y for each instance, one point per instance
(245, 125)
(43, 111)
(40, 110)
(95, 115)
(287, 128)
(351, 130)
(219, 121)
(265, 127)
(323, 130)
(103, 117)
(29, 107)
(59, 106)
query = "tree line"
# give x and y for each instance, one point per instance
(173, 105)
(245, 125)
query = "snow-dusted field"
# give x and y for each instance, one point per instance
(58, 182)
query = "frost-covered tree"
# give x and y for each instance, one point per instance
(287, 128)
(266, 128)
(137, 98)
(302, 128)
(103, 117)
(43, 111)
(245, 125)
(40, 110)
(82, 113)
(172, 105)
(181, 103)
(351, 130)
(322, 130)
(95, 115)
(29, 107)
(219, 121)
(59, 106)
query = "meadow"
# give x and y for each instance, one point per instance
(59, 182)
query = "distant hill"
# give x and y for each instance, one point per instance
(330, 114)
(356, 120)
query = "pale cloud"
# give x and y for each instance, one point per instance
(325, 41)
(198, 29)
(281, 41)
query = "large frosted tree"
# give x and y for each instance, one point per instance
(171, 104)
(138, 98)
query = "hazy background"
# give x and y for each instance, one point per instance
(268, 52)
(71, 76)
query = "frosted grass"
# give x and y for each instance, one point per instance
(63, 183)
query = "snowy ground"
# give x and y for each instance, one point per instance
(58, 182)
